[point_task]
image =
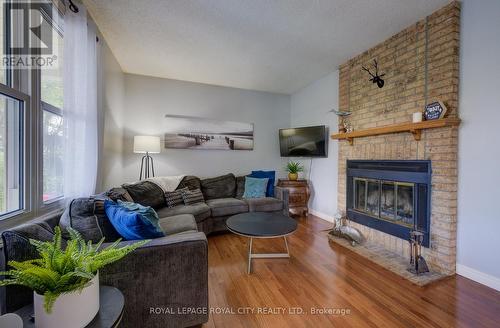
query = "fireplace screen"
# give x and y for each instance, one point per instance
(386, 200)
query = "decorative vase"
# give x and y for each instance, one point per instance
(75, 309)
(293, 176)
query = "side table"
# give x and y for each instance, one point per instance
(299, 194)
(110, 313)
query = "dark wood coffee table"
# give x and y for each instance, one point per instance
(262, 225)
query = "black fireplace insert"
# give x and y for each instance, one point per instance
(390, 196)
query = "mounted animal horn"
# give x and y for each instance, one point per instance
(376, 78)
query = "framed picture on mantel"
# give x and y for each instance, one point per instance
(434, 111)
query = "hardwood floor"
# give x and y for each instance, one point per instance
(324, 275)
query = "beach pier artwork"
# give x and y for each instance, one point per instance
(186, 132)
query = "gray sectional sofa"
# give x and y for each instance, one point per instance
(165, 282)
(223, 198)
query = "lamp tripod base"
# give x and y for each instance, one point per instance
(147, 167)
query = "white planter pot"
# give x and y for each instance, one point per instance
(71, 310)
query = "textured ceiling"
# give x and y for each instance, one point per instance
(267, 45)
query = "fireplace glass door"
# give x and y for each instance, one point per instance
(385, 200)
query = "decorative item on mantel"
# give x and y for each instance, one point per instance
(417, 117)
(435, 110)
(342, 229)
(344, 124)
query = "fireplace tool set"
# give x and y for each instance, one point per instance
(417, 262)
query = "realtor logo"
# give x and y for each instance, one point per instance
(29, 33)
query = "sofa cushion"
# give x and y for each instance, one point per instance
(223, 186)
(266, 204)
(178, 223)
(240, 187)
(146, 193)
(226, 206)
(191, 182)
(200, 211)
(17, 247)
(86, 215)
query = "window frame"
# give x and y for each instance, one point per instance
(25, 85)
(24, 155)
(44, 106)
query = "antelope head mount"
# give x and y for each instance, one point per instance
(375, 78)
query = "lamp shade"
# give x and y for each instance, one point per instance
(147, 144)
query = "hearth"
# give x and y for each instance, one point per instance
(390, 196)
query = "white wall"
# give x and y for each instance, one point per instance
(147, 100)
(111, 165)
(310, 106)
(479, 152)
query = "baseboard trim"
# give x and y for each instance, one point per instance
(478, 276)
(321, 215)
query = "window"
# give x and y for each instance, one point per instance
(31, 114)
(3, 40)
(51, 92)
(11, 150)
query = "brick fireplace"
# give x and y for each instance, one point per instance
(390, 196)
(421, 65)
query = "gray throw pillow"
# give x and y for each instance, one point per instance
(118, 193)
(174, 198)
(146, 193)
(86, 215)
(192, 197)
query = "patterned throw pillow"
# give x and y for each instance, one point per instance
(174, 198)
(192, 197)
(255, 187)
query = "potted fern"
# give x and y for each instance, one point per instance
(65, 281)
(293, 169)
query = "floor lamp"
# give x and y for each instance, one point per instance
(147, 145)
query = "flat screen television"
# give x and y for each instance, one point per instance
(310, 141)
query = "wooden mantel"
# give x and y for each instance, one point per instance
(414, 128)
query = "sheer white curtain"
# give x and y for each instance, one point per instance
(80, 105)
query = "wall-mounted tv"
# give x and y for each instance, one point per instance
(310, 141)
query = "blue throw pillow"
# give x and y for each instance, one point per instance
(133, 221)
(271, 175)
(255, 187)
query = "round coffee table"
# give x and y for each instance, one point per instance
(262, 225)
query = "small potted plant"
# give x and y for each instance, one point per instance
(293, 169)
(65, 280)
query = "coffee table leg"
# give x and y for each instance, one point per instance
(250, 256)
(286, 245)
(265, 255)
